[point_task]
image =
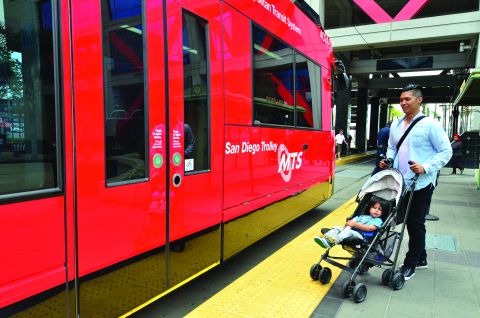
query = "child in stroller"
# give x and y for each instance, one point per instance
(379, 247)
(362, 227)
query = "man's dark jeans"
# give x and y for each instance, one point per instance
(416, 226)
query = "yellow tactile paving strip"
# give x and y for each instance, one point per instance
(355, 157)
(280, 286)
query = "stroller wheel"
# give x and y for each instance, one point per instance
(325, 275)
(398, 281)
(315, 271)
(387, 276)
(353, 263)
(347, 288)
(363, 269)
(360, 293)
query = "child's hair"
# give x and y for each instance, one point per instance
(372, 204)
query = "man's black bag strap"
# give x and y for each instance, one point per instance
(407, 131)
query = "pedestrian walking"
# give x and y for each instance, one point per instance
(457, 157)
(339, 141)
(382, 145)
(417, 145)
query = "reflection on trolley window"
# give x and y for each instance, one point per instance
(28, 108)
(196, 93)
(124, 91)
(308, 99)
(280, 98)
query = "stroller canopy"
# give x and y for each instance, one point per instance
(386, 184)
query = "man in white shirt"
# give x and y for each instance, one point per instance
(425, 150)
(339, 140)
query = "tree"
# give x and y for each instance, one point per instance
(11, 83)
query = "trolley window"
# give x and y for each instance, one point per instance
(124, 9)
(29, 99)
(124, 89)
(196, 93)
(273, 97)
(308, 99)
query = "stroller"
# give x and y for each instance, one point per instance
(386, 186)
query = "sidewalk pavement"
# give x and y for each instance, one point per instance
(450, 287)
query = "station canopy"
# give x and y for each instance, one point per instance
(470, 91)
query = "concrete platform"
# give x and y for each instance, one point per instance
(450, 286)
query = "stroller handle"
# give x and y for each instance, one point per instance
(410, 162)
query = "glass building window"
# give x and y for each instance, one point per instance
(29, 99)
(125, 118)
(308, 108)
(273, 97)
(196, 93)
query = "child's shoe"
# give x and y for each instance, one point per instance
(324, 242)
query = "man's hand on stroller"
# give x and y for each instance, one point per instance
(416, 167)
(385, 163)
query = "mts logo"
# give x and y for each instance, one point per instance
(288, 161)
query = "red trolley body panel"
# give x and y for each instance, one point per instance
(265, 164)
(195, 204)
(113, 222)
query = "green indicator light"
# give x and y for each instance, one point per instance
(177, 159)
(157, 160)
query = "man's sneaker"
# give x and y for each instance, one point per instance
(422, 265)
(323, 242)
(407, 272)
